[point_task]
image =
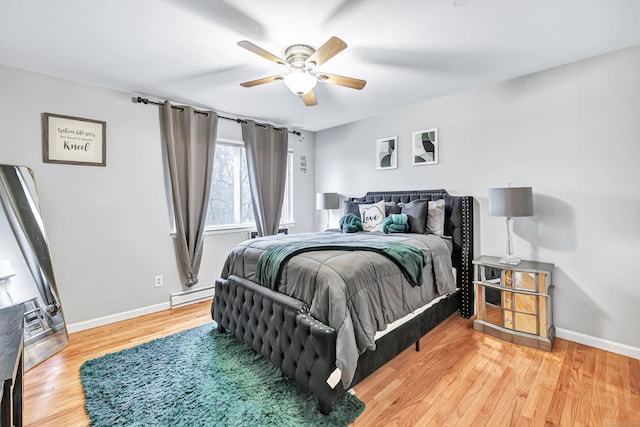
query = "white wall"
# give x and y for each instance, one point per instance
(572, 133)
(109, 226)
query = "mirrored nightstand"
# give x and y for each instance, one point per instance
(513, 302)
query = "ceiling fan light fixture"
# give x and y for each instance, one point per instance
(300, 63)
(300, 82)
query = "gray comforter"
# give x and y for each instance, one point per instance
(355, 292)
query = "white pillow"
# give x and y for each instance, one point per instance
(435, 217)
(372, 216)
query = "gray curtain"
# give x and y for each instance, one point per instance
(266, 149)
(191, 141)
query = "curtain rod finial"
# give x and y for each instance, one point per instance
(139, 99)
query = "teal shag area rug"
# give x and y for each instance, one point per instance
(200, 378)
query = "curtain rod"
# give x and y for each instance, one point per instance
(146, 101)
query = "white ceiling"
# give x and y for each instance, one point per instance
(408, 51)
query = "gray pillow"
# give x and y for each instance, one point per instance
(417, 212)
(391, 208)
(351, 207)
(435, 217)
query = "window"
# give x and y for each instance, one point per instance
(230, 199)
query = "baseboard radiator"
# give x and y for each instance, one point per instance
(180, 299)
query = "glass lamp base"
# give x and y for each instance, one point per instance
(510, 259)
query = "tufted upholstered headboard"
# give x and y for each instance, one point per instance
(458, 225)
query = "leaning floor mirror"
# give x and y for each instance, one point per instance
(26, 269)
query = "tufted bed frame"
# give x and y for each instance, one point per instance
(280, 328)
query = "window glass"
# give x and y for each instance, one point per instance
(221, 198)
(230, 199)
(246, 205)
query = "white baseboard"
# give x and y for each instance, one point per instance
(192, 296)
(601, 343)
(117, 317)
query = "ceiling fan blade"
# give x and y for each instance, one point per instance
(261, 81)
(331, 48)
(342, 81)
(309, 99)
(260, 51)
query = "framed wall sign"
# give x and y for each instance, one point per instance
(73, 140)
(425, 147)
(387, 153)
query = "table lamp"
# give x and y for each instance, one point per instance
(327, 201)
(510, 202)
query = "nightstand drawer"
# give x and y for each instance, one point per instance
(521, 322)
(525, 281)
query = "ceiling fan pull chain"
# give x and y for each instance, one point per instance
(300, 136)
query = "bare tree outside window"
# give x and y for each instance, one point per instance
(230, 199)
(221, 207)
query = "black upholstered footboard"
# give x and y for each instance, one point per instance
(279, 327)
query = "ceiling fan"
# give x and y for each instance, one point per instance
(300, 63)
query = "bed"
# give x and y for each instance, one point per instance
(287, 317)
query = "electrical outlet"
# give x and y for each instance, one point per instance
(158, 281)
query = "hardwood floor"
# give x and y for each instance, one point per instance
(53, 394)
(461, 377)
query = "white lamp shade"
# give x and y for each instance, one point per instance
(327, 201)
(511, 202)
(300, 82)
(6, 270)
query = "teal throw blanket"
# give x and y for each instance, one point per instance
(350, 223)
(396, 223)
(410, 259)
